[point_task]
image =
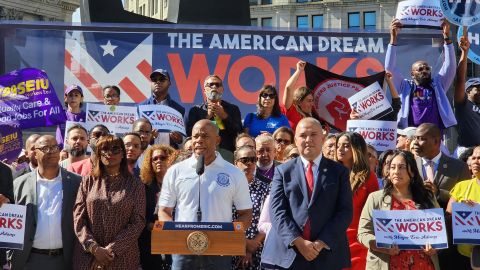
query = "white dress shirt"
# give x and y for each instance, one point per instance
(49, 213)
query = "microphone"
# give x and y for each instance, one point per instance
(200, 169)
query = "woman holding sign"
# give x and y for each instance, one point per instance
(404, 190)
(352, 153)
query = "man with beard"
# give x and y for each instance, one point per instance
(21, 169)
(133, 147)
(160, 82)
(84, 167)
(424, 98)
(77, 142)
(224, 115)
(467, 102)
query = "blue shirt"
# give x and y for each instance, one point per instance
(256, 126)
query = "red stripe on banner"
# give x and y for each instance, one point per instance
(459, 220)
(469, 223)
(132, 91)
(380, 227)
(145, 68)
(478, 220)
(83, 76)
(390, 229)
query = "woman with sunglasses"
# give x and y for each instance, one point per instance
(245, 160)
(283, 137)
(158, 159)
(109, 212)
(268, 116)
(290, 152)
(352, 153)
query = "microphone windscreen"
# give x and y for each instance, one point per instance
(200, 165)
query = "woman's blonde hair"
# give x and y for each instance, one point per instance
(360, 169)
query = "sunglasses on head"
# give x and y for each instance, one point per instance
(159, 158)
(267, 95)
(246, 160)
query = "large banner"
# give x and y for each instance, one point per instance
(466, 224)
(473, 35)
(245, 57)
(28, 99)
(461, 12)
(12, 226)
(410, 229)
(331, 93)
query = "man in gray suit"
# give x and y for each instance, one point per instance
(439, 171)
(49, 193)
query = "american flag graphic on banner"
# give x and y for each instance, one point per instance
(96, 59)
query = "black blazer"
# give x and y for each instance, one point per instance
(233, 123)
(6, 181)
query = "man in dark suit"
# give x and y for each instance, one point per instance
(311, 208)
(49, 194)
(225, 115)
(439, 171)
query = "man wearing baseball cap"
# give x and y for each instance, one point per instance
(73, 102)
(160, 83)
(467, 102)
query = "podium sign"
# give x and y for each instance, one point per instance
(199, 238)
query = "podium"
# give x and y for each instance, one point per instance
(199, 238)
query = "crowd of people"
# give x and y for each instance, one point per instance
(304, 192)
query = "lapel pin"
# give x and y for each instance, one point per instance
(324, 170)
(445, 166)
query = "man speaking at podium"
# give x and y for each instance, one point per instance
(310, 208)
(222, 186)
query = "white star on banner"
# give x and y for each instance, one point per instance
(108, 48)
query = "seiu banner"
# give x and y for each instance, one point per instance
(245, 57)
(27, 99)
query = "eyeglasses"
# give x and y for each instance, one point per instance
(267, 95)
(114, 150)
(159, 158)
(111, 97)
(49, 148)
(426, 68)
(282, 141)
(216, 84)
(97, 134)
(294, 155)
(246, 160)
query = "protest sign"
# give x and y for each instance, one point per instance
(12, 226)
(27, 98)
(118, 119)
(420, 13)
(473, 34)
(11, 142)
(331, 93)
(461, 12)
(380, 134)
(163, 118)
(371, 102)
(466, 223)
(410, 229)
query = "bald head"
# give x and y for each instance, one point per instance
(309, 138)
(431, 130)
(205, 139)
(30, 149)
(31, 141)
(47, 152)
(205, 123)
(45, 140)
(419, 63)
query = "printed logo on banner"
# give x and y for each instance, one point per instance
(382, 224)
(473, 33)
(420, 13)
(466, 223)
(96, 59)
(465, 217)
(464, 12)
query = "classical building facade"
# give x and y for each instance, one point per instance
(38, 10)
(353, 14)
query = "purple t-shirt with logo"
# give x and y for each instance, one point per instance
(75, 117)
(424, 107)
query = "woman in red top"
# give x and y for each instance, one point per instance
(299, 103)
(352, 153)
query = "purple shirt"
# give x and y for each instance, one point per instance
(75, 117)
(424, 107)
